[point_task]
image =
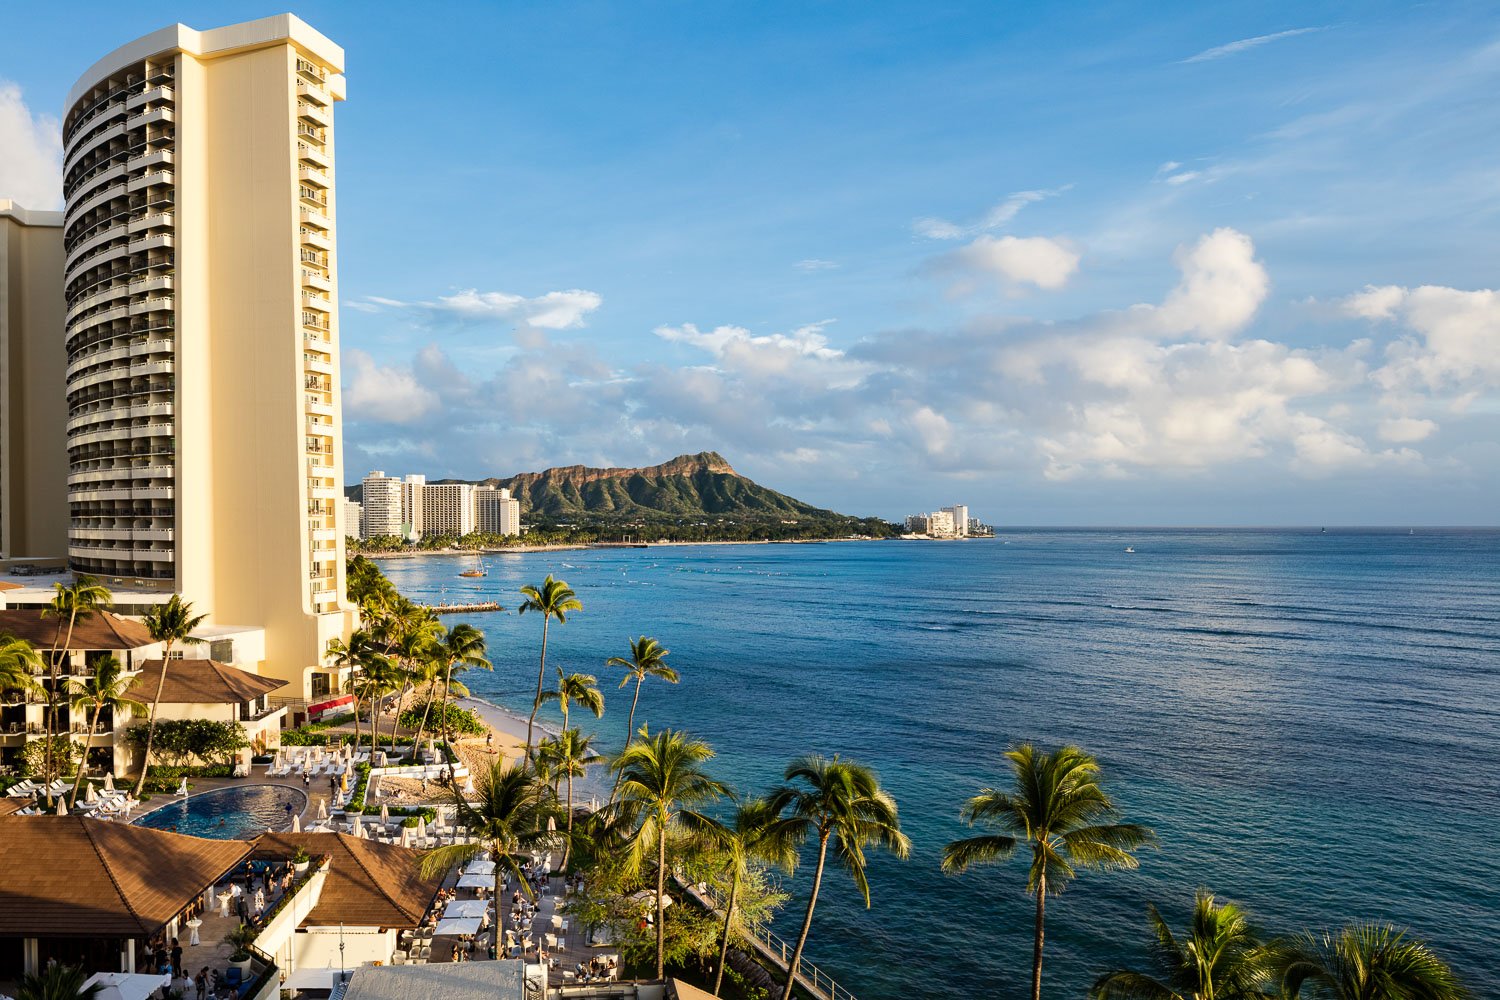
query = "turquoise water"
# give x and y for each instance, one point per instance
(1309, 720)
(229, 813)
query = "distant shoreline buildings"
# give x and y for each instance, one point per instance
(948, 522)
(412, 508)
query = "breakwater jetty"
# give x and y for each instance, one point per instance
(464, 609)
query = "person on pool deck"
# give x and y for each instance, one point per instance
(177, 955)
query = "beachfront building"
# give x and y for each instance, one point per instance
(77, 889)
(412, 520)
(208, 689)
(99, 635)
(381, 497)
(33, 412)
(959, 515)
(496, 512)
(354, 519)
(950, 522)
(447, 509)
(203, 425)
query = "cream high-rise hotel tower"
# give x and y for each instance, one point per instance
(204, 448)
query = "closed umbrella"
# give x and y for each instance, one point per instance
(322, 809)
(297, 823)
(62, 807)
(421, 833)
(109, 781)
(89, 795)
(356, 827)
(406, 836)
(385, 814)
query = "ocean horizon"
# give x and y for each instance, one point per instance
(1305, 716)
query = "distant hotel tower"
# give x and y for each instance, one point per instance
(202, 331)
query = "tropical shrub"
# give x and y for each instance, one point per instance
(460, 720)
(63, 763)
(180, 741)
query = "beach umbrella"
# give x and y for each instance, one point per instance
(62, 807)
(406, 836)
(344, 782)
(109, 781)
(297, 824)
(356, 827)
(551, 824)
(322, 809)
(89, 795)
(385, 814)
(421, 833)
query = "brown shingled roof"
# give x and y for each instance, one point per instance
(71, 876)
(100, 630)
(369, 884)
(200, 682)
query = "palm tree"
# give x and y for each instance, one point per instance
(57, 982)
(1221, 960)
(19, 666)
(1057, 806)
(582, 689)
(1365, 962)
(647, 659)
(72, 604)
(357, 655)
(425, 673)
(507, 817)
(413, 656)
(756, 834)
(553, 599)
(462, 649)
(381, 678)
(567, 756)
(104, 688)
(841, 801)
(660, 776)
(168, 623)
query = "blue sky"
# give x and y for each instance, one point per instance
(1104, 263)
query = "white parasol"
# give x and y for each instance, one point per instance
(297, 823)
(89, 795)
(109, 781)
(62, 807)
(322, 809)
(385, 814)
(356, 827)
(421, 833)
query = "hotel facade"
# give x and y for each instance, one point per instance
(199, 282)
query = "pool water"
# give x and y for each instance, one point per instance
(229, 813)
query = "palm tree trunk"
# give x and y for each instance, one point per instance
(812, 901)
(661, 909)
(161, 683)
(447, 690)
(541, 674)
(629, 732)
(568, 844)
(426, 714)
(52, 698)
(1036, 949)
(84, 760)
(734, 891)
(500, 908)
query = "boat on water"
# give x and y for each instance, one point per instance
(1130, 549)
(477, 571)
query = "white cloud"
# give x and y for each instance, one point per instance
(1222, 286)
(816, 264)
(1033, 260)
(30, 153)
(1184, 177)
(384, 393)
(564, 310)
(1245, 44)
(932, 429)
(995, 218)
(1457, 342)
(1406, 430)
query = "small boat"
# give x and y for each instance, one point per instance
(475, 572)
(1130, 550)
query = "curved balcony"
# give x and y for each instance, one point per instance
(93, 140)
(99, 189)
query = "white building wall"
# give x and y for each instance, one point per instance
(382, 505)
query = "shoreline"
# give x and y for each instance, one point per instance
(580, 546)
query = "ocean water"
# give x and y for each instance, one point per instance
(1309, 720)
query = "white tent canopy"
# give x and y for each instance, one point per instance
(125, 985)
(476, 881)
(466, 908)
(452, 926)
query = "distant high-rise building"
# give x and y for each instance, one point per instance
(496, 512)
(354, 517)
(381, 499)
(960, 515)
(447, 509)
(33, 409)
(203, 423)
(916, 524)
(940, 524)
(413, 525)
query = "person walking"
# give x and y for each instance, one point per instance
(177, 956)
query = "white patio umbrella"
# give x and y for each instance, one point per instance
(89, 795)
(62, 807)
(109, 781)
(406, 836)
(297, 823)
(356, 827)
(322, 809)
(385, 814)
(421, 833)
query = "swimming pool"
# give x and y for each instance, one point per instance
(229, 813)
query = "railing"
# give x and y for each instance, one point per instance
(773, 947)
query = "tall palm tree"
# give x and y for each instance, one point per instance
(660, 776)
(169, 624)
(1059, 808)
(413, 660)
(356, 655)
(756, 834)
(1365, 962)
(426, 671)
(57, 982)
(463, 648)
(840, 801)
(566, 756)
(579, 689)
(1221, 959)
(647, 659)
(104, 688)
(70, 603)
(507, 817)
(553, 599)
(381, 678)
